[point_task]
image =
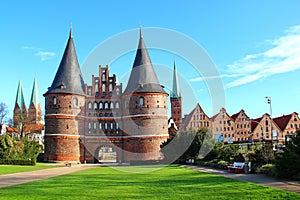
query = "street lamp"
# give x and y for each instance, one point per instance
(269, 101)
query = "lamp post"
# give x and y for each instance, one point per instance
(269, 101)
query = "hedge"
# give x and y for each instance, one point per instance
(18, 162)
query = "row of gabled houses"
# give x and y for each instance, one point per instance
(240, 128)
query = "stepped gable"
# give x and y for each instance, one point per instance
(143, 77)
(68, 78)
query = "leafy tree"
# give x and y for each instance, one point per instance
(288, 164)
(183, 145)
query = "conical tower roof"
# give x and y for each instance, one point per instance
(34, 95)
(143, 77)
(176, 90)
(68, 78)
(20, 98)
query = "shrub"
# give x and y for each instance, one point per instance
(288, 164)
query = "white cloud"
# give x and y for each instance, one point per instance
(200, 78)
(282, 57)
(45, 55)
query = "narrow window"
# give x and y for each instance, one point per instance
(54, 100)
(142, 101)
(111, 105)
(117, 105)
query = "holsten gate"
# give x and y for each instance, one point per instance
(101, 121)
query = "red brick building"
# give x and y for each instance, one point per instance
(100, 122)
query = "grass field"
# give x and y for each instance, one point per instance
(171, 182)
(9, 169)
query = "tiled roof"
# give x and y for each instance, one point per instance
(255, 122)
(143, 77)
(68, 78)
(282, 121)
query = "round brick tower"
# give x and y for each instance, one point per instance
(145, 119)
(64, 121)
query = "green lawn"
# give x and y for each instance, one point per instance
(171, 182)
(9, 169)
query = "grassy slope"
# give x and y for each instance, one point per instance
(9, 169)
(168, 183)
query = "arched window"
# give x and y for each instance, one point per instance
(118, 91)
(95, 105)
(100, 125)
(110, 87)
(54, 100)
(117, 105)
(103, 88)
(105, 126)
(111, 126)
(96, 86)
(103, 76)
(90, 105)
(267, 122)
(75, 101)
(111, 105)
(90, 126)
(142, 101)
(95, 125)
(106, 105)
(100, 105)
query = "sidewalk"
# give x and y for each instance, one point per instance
(293, 186)
(24, 177)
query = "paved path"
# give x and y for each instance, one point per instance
(293, 186)
(24, 177)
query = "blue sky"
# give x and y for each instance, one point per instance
(255, 45)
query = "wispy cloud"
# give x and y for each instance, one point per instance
(283, 56)
(200, 78)
(43, 55)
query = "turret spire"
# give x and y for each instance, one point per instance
(68, 78)
(20, 98)
(143, 77)
(34, 95)
(176, 90)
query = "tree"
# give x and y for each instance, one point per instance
(3, 113)
(288, 164)
(183, 145)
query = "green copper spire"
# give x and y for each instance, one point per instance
(20, 98)
(176, 90)
(34, 95)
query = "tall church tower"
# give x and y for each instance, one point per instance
(176, 102)
(20, 111)
(34, 110)
(145, 118)
(64, 100)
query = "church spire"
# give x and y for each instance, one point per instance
(176, 90)
(143, 77)
(20, 98)
(34, 95)
(68, 78)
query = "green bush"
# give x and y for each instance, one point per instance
(20, 150)
(268, 169)
(288, 164)
(18, 162)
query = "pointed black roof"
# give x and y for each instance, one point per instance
(68, 78)
(143, 77)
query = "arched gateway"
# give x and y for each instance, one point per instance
(81, 119)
